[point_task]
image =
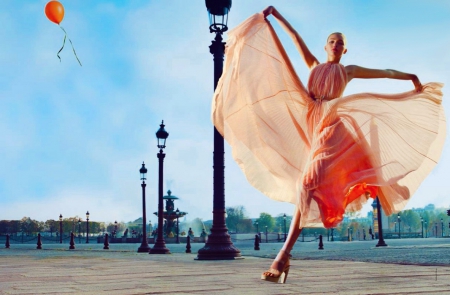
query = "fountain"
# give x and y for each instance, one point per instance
(170, 215)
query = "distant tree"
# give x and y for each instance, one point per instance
(246, 226)
(4, 226)
(280, 222)
(50, 226)
(265, 219)
(410, 220)
(30, 226)
(235, 216)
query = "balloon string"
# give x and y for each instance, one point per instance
(64, 42)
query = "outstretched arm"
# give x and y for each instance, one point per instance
(365, 73)
(310, 60)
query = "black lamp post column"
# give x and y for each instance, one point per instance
(442, 227)
(219, 245)
(399, 223)
(160, 245)
(87, 227)
(381, 242)
(60, 228)
(177, 212)
(79, 230)
(144, 248)
(421, 220)
(284, 217)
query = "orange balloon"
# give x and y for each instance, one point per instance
(54, 11)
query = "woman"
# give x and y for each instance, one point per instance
(324, 152)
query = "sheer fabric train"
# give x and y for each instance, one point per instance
(315, 148)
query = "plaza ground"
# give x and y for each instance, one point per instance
(406, 266)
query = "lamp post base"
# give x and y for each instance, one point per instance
(381, 244)
(219, 247)
(159, 248)
(144, 248)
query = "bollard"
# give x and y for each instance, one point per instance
(320, 243)
(39, 243)
(106, 243)
(72, 241)
(256, 242)
(7, 242)
(188, 245)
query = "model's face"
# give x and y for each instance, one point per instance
(335, 45)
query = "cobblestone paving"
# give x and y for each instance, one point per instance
(409, 266)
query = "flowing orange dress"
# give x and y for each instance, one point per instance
(325, 152)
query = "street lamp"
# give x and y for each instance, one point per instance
(284, 217)
(60, 228)
(399, 222)
(115, 228)
(87, 227)
(421, 220)
(381, 242)
(177, 212)
(442, 227)
(332, 234)
(144, 244)
(79, 230)
(160, 245)
(219, 245)
(267, 240)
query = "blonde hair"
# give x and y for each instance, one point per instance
(339, 33)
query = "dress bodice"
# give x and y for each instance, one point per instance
(327, 81)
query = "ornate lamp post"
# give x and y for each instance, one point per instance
(399, 223)
(219, 245)
(381, 242)
(60, 228)
(160, 245)
(177, 212)
(79, 230)
(144, 245)
(442, 227)
(284, 218)
(87, 227)
(115, 228)
(421, 220)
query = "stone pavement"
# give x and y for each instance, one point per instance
(121, 270)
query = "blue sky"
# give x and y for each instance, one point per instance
(74, 138)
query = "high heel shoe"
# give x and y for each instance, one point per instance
(273, 274)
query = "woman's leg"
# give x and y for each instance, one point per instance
(294, 232)
(283, 256)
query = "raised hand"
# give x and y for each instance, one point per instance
(268, 11)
